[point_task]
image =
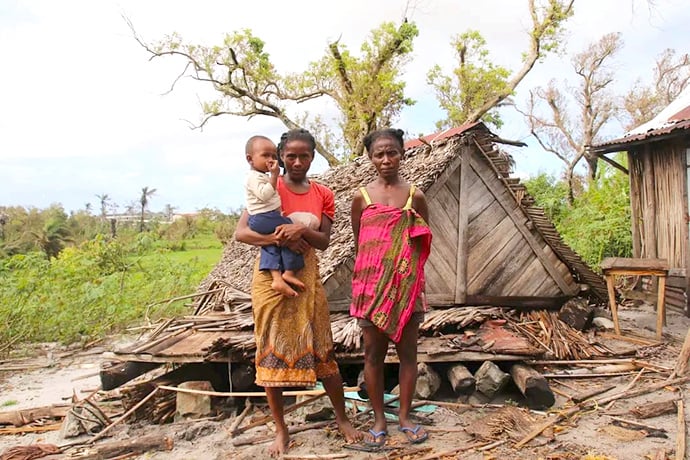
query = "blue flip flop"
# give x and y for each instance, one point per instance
(369, 446)
(411, 434)
(380, 435)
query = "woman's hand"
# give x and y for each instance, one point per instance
(289, 233)
(299, 247)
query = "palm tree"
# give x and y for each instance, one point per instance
(146, 194)
(52, 237)
(104, 199)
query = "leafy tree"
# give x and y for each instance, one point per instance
(566, 132)
(367, 90)
(51, 239)
(671, 76)
(146, 194)
(471, 82)
(477, 86)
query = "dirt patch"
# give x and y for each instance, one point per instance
(55, 375)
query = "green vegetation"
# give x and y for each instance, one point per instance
(89, 284)
(597, 224)
(10, 402)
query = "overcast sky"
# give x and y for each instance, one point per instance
(83, 110)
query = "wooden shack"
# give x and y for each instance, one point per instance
(491, 248)
(658, 158)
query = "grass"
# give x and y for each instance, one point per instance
(8, 403)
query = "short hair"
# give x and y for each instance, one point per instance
(249, 147)
(298, 134)
(390, 133)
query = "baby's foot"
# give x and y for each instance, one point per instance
(281, 286)
(290, 277)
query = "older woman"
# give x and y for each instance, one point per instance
(293, 335)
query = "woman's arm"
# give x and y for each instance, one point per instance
(419, 204)
(320, 239)
(356, 216)
(244, 234)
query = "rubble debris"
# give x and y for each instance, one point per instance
(193, 405)
(23, 417)
(576, 313)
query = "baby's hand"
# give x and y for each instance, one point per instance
(273, 167)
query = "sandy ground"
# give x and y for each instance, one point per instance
(75, 372)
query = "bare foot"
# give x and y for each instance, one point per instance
(348, 431)
(280, 445)
(281, 286)
(289, 276)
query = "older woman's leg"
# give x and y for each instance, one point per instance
(375, 347)
(407, 376)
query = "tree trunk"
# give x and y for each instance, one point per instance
(533, 385)
(461, 380)
(138, 445)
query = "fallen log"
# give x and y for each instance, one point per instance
(654, 409)
(121, 373)
(24, 416)
(461, 380)
(138, 445)
(533, 386)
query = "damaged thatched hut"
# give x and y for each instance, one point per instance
(492, 248)
(659, 157)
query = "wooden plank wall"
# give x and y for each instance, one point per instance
(658, 213)
(506, 257)
(441, 267)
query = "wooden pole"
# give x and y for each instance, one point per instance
(682, 362)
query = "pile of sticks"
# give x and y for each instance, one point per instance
(158, 409)
(560, 340)
(460, 317)
(347, 335)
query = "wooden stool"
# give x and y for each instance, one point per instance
(612, 266)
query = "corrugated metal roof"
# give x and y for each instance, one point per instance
(675, 117)
(428, 139)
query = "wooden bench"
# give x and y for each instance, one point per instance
(612, 266)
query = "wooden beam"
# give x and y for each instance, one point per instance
(529, 238)
(519, 302)
(463, 223)
(615, 164)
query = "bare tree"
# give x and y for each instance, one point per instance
(567, 133)
(671, 76)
